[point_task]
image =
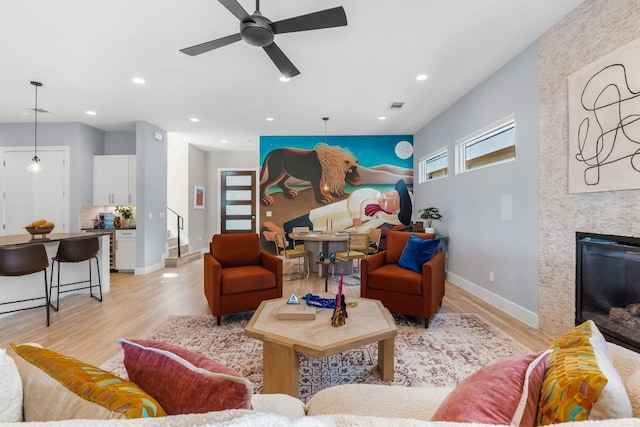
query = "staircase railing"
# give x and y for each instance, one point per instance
(179, 226)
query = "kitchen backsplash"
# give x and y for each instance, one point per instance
(89, 213)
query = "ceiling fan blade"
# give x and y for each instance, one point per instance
(329, 18)
(234, 7)
(213, 44)
(283, 63)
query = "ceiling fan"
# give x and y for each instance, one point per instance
(258, 30)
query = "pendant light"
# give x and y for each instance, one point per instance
(325, 185)
(35, 166)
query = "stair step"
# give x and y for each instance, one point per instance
(184, 259)
(173, 250)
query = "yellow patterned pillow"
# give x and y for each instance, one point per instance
(58, 387)
(572, 384)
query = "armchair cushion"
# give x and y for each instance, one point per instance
(417, 251)
(249, 278)
(237, 250)
(392, 278)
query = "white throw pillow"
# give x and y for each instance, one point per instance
(613, 402)
(10, 391)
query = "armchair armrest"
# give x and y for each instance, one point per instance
(212, 278)
(373, 261)
(273, 264)
(433, 271)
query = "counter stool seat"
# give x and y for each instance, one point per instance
(76, 250)
(21, 260)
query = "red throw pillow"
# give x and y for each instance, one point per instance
(505, 392)
(182, 381)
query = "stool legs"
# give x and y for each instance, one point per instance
(98, 297)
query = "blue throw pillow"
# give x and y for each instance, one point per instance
(417, 251)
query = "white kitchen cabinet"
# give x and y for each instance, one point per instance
(112, 180)
(125, 250)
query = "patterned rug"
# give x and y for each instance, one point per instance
(454, 346)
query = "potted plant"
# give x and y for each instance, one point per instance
(429, 214)
(127, 214)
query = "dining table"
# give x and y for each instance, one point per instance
(327, 242)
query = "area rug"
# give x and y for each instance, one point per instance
(454, 346)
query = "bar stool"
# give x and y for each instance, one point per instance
(20, 260)
(76, 250)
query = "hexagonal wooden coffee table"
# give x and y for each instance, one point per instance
(367, 323)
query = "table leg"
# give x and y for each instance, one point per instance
(280, 371)
(386, 361)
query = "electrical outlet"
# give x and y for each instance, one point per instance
(269, 214)
(491, 276)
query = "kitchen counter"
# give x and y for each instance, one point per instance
(14, 288)
(23, 239)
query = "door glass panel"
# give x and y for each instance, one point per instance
(239, 195)
(238, 224)
(238, 210)
(244, 180)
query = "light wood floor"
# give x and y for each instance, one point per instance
(87, 329)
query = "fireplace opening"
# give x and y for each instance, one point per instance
(608, 286)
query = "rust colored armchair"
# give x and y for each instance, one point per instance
(238, 275)
(402, 290)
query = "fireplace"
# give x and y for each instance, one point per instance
(608, 286)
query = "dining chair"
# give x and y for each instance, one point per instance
(374, 240)
(282, 249)
(357, 248)
(299, 244)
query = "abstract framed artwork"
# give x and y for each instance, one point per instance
(198, 197)
(604, 123)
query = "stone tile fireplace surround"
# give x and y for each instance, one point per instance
(594, 29)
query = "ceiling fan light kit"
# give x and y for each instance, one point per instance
(258, 30)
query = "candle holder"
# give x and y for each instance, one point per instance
(321, 256)
(332, 256)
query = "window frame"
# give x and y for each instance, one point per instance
(485, 133)
(424, 160)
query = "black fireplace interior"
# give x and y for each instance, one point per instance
(608, 286)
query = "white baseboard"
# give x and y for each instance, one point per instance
(520, 313)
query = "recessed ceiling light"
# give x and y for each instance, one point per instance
(382, 118)
(138, 80)
(421, 77)
(270, 119)
(194, 119)
(224, 141)
(90, 113)
(284, 79)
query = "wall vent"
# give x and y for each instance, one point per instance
(396, 105)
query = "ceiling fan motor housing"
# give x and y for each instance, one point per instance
(258, 33)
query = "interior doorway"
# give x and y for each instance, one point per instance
(28, 197)
(238, 201)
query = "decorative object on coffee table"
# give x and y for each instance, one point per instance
(340, 310)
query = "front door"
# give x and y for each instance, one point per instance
(238, 201)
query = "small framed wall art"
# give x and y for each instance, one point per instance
(198, 197)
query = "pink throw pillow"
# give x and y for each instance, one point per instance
(505, 392)
(182, 381)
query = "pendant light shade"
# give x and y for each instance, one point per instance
(35, 166)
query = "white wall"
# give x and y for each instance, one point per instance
(178, 185)
(480, 241)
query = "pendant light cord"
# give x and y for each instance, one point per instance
(35, 128)
(35, 136)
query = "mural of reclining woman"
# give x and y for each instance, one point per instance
(364, 209)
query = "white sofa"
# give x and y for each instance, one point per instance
(357, 405)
